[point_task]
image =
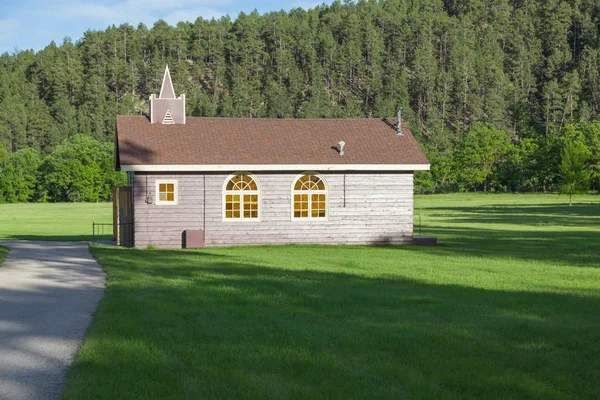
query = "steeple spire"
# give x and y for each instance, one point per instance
(166, 108)
(166, 90)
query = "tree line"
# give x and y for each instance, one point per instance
(485, 158)
(518, 77)
(80, 169)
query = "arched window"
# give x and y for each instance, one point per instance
(309, 197)
(241, 197)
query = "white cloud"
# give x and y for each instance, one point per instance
(308, 4)
(134, 11)
(33, 24)
(170, 4)
(88, 11)
(192, 14)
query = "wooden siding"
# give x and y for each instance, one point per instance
(378, 209)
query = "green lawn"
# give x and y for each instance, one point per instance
(53, 221)
(508, 308)
(3, 253)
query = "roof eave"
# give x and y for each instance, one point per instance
(117, 154)
(272, 167)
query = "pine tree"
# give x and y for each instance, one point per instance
(527, 67)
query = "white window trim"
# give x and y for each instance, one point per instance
(175, 201)
(241, 193)
(310, 192)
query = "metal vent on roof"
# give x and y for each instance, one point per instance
(399, 130)
(168, 118)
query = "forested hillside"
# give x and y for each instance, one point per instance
(494, 90)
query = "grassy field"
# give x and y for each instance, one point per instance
(539, 228)
(508, 308)
(52, 221)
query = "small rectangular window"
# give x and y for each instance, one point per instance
(166, 192)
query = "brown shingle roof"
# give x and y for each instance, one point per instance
(243, 141)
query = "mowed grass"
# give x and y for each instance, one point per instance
(538, 228)
(508, 308)
(53, 221)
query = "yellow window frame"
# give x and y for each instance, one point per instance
(309, 198)
(167, 192)
(241, 198)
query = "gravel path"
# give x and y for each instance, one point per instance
(48, 292)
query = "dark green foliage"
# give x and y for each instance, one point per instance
(3, 253)
(81, 169)
(478, 153)
(575, 174)
(19, 176)
(528, 68)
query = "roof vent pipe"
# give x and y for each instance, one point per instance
(341, 143)
(399, 130)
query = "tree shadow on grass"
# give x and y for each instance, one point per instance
(544, 214)
(208, 326)
(572, 248)
(531, 233)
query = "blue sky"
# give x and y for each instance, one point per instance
(33, 24)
